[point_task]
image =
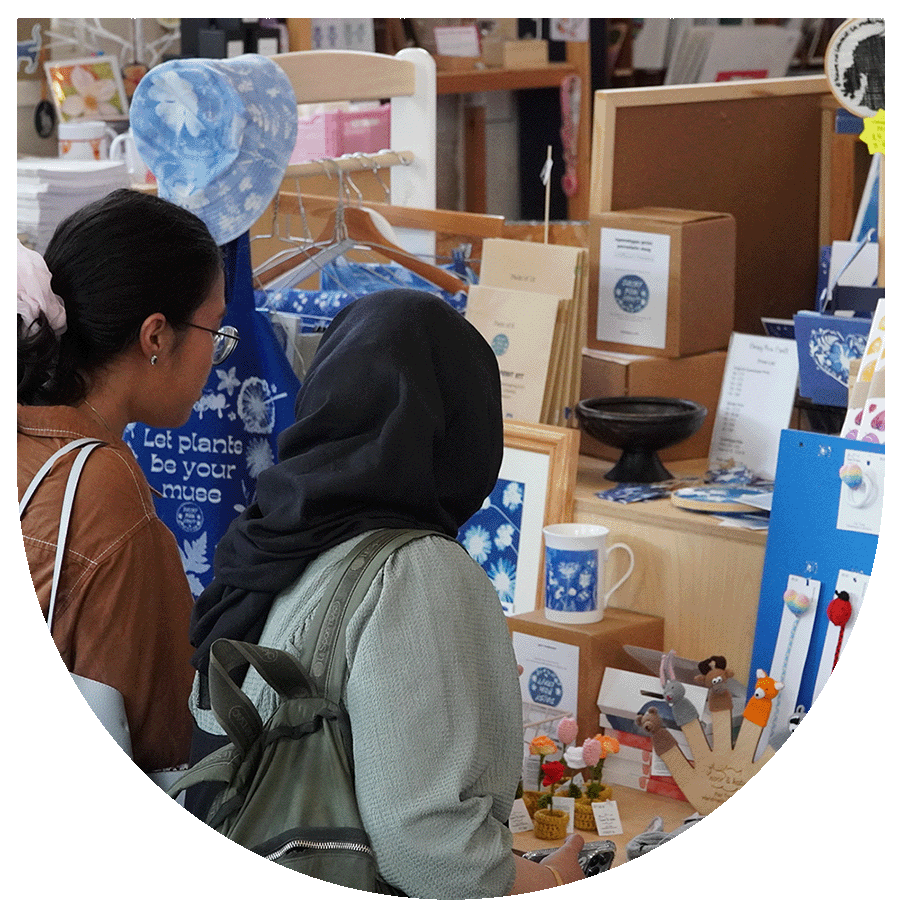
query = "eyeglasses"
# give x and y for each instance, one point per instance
(224, 342)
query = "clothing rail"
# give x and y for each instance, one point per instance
(351, 162)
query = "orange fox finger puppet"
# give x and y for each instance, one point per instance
(759, 706)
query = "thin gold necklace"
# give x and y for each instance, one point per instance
(102, 420)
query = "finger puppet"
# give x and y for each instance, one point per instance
(714, 675)
(719, 770)
(714, 672)
(778, 739)
(683, 710)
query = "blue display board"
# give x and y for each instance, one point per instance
(805, 540)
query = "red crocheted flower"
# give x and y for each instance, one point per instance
(553, 772)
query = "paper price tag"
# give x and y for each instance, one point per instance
(519, 820)
(606, 817)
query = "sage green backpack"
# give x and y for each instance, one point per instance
(287, 784)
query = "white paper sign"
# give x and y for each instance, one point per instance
(519, 820)
(457, 40)
(633, 294)
(755, 403)
(550, 671)
(606, 817)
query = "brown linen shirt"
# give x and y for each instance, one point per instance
(123, 605)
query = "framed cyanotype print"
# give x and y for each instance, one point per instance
(535, 487)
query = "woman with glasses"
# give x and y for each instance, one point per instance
(119, 322)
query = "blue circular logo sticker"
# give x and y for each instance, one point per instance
(545, 687)
(189, 517)
(500, 344)
(631, 293)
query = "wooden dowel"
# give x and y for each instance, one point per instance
(355, 162)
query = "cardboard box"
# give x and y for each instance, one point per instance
(524, 53)
(600, 644)
(697, 378)
(662, 281)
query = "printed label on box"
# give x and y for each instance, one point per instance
(633, 294)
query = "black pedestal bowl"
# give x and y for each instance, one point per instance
(639, 427)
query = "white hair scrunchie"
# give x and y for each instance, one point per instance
(33, 294)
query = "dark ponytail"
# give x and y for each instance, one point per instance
(113, 263)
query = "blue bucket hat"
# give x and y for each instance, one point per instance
(218, 135)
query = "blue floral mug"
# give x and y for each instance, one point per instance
(575, 556)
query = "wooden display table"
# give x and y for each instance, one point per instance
(701, 577)
(636, 812)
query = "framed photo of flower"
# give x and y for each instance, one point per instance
(535, 488)
(90, 88)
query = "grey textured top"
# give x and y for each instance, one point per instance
(436, 711)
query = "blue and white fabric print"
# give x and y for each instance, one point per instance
(367, 278)
(217, 135)
(206, 470)
(492, 538)
(571, 580)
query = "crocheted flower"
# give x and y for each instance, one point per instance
(554, 772)
(567, 730)
(574, 758)
(542, 746)
(592, 752)
(610, 744)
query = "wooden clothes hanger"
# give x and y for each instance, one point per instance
(370, 229)
(358, 227)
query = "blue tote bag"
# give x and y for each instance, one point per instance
(205, 472)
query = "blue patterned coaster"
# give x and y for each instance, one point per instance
(635, 493)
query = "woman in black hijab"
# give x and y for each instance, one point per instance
(398, 424)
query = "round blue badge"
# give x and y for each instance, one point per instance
(631, 293)
(189, 517)
(545, 687)
(500, 344)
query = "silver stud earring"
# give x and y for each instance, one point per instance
(153, 359)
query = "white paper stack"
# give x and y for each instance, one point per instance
(48, 189)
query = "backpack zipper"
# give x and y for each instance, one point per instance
(305, 844)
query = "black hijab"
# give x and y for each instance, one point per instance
(398, 424)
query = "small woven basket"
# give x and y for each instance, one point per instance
(550, 824)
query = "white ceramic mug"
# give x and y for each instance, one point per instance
(89, 139)
(123, 147)
(575, 556)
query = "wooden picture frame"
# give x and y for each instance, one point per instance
(535, 487)
(89, 88)
(749, 148)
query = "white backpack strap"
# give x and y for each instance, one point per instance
(87, 446)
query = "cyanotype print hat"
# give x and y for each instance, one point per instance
(218, 135)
